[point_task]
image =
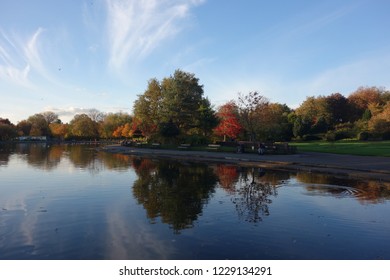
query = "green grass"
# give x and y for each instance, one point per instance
(380, 148)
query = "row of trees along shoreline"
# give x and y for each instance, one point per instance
(175, 110)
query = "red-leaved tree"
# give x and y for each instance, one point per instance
(229, 124)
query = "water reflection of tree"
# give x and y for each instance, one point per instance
(174, 192)
(47, 157)
(363, 191)
(40, 155)
(227, 176)
(252, 196)
(5, 153)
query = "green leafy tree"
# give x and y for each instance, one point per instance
(179, 99)
(169, 130)
(182, 98)
(165, 192)
(148, 109)
(275, 125)
(313, 108)
(82, 126)
(301, 126)
(207, 118)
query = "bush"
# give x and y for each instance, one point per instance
(330, 136)
(311, 137)
(195, 140)
(386, 135)
(340, 134)
(364, 136)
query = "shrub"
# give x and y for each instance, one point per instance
(311, 137)
(364, 136)
(330, 136)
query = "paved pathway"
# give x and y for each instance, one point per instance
(367, 167)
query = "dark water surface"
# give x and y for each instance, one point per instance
(74, 202)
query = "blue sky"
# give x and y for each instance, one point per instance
(72, 55)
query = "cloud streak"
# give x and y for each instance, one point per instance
(18, 58)
(136, 28)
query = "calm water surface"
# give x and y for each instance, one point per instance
(74, 202)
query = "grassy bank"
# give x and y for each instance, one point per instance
(380, 148)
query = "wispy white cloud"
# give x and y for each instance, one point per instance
(32, 52)
(13, 67)
(16, 75)
(136, 28)
(314, 23)
(370, 71)
(20, 57)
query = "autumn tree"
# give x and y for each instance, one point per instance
(113, 122)
(123, 131)
(23, 128)
(361, 98)
(59, 130)
(380, 122)
(229, 124)
(39, 125)
(313, 108)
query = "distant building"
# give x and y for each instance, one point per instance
(32, 138)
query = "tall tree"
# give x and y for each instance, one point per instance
(177, 99)
(249, 107)
(207, 118)
(148, 108)
(182, 97)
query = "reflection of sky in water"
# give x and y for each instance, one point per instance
(84, 207)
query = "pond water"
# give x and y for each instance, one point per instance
(76, 202)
